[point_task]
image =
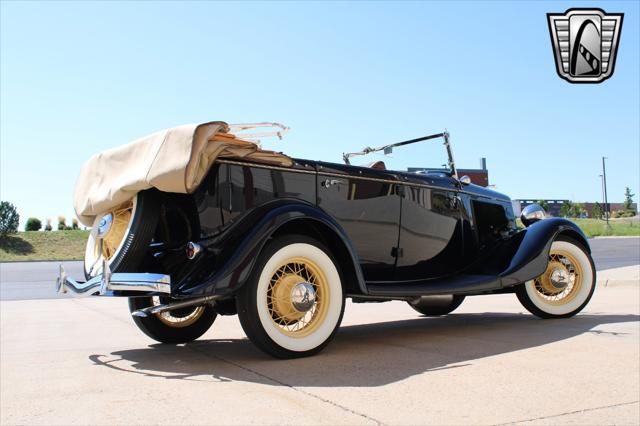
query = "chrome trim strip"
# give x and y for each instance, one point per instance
(347, 176)
(415, 184)
(265, 166)
(108, 282)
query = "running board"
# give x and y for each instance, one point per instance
(459, 284)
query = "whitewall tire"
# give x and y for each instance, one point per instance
(293, 303)
(567, 285)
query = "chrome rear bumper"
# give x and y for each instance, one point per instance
(105, 284)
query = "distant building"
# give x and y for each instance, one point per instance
(478, 176)
(555, 205)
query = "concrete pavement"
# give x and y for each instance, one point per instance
(83, 361)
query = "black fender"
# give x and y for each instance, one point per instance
(531, 256)
(227, 260)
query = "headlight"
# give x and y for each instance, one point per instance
(532, 213)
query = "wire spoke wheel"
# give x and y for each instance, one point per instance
(562, 280)
(285, 313)
(180, 317)
(113, 239)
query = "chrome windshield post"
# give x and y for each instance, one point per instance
(452, 163)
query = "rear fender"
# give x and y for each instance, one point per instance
(531, 256)
(228, 260)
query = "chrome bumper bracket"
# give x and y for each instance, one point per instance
(108, 282)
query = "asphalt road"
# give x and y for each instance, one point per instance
(35, 280)
(609, 253)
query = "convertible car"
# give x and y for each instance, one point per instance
(199, 221)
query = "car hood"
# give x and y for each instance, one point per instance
(486, 192)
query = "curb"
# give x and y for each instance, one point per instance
(613, 236)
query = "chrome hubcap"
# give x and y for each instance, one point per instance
(105, 225)
(559, 278)
(303, 296)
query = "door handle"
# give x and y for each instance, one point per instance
(330, 182)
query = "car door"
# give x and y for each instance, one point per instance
(366, 203)
(431, 237)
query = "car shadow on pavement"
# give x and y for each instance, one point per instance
(363, 355)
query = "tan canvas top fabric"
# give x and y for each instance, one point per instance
(171, 160)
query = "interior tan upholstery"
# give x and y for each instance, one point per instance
(171, 160)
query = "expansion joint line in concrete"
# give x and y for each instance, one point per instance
(585, 410)
(327, 401)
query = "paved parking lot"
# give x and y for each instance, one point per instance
(79, 361)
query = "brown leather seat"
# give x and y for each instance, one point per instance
(377, 165)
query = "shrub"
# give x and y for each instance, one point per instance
(33, 224)
(623, 213)
(74, 223)
(48, 226)
(9, 218)
(62, 223)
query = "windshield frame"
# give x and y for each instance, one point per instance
(386, 149)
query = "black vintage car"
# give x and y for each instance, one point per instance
(284, 246)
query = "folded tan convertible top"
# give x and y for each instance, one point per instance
(171, 160)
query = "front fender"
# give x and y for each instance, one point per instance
(229, 258)
(531, 256)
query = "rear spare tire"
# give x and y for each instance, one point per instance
(127, 231)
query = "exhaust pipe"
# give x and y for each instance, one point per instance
(158, 309)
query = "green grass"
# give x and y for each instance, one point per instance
(618, 227)
(38, 245)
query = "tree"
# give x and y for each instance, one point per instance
(48, 226)
(9, 218)
(597, 210)
(33, 224)
(628, 199)
(577, 210)
(543, 204)
(566, 209)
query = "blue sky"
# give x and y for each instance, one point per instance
(80, 77)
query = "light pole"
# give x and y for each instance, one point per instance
(604, 190)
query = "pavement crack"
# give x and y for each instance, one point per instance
(586, 410)
(281, 383)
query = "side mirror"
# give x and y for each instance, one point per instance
(388, 150)
(465, 180)
(531, 214)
